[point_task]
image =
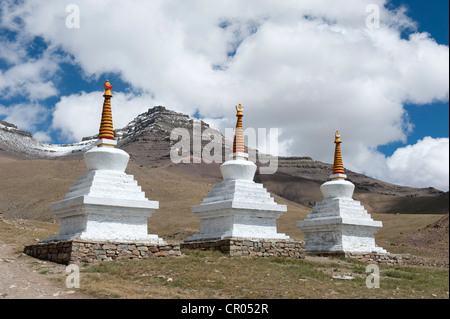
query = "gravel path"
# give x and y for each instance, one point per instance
(24, 277)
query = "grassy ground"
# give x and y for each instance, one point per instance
(213, 275)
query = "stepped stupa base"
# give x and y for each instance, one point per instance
(104, 219)
(238, 208)
(238, 223)
(339, 233)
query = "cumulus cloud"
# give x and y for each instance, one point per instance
(25, 116)
(306, 67)
(29, 79)
(25, 76)
(42, 137)
(420, 165)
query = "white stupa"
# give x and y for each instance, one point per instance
(339, 223)
(238, 207)
(105, 204)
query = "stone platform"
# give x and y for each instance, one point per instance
(80, 251)
(251, 247)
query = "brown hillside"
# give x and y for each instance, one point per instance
(432, 239)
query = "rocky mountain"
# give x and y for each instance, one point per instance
(148, 141)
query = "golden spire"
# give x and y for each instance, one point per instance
(338, 165)
(238, 143)
(106, 126)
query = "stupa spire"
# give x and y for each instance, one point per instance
(238, 143)
(338, 165)
(106, 126)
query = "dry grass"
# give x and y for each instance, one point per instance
(201, 275)
(29, 187)
(22, 232)
(397, 230)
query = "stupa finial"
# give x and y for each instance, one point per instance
(238, 143)
(338, 165)
(106, 126)
(108, 88)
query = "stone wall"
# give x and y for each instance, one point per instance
(372, 257)
(378, 258)
(78, 251)
(251, 247)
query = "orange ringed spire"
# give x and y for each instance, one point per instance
(106, 126)
(238, 143)
(338, 165)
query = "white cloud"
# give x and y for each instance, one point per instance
(306, 67)
(29, 79)
(420, 165)
(42, 137)
(25, 115)
(25, 76)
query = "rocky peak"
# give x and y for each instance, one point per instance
(8, 127)
(156, 120)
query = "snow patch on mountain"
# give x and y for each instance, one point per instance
(18, 141)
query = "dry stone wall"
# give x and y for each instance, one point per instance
(378, 258)
(372, 257)
(251, 247)
(77, 251)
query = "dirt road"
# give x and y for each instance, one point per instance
(24, 277)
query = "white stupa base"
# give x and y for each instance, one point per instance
(238, 224)
(100, 219)
(340, 238)
(339, 223)
(238, 208)
(105, 204)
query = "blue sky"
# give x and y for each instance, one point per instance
(307, 68)
(433, 120)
